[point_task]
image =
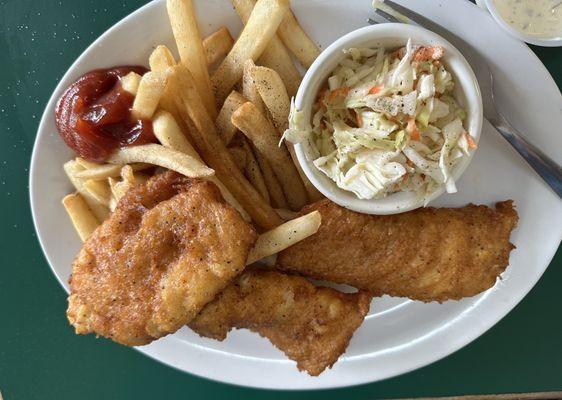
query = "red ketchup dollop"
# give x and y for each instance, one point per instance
(93, 116)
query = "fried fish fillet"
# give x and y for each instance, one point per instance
(311, 325)
(429, 254)
(171, 245)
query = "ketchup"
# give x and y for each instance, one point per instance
(93, 115)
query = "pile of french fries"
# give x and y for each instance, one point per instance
(218, 113)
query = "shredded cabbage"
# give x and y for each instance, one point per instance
(387, 121)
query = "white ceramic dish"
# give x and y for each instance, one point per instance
(390, 36)
(538, 41)
(398, 335)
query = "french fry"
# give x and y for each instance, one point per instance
(227, 130)
(190, 47)
(276, 195)
(104, 171)
(217, 45)
(273, 93)
(215, 153)
(128, 175)
(253, 171)
(82, 218)
(162, 156)
(264, 136)
(260, 28)
(224, 124)
(86, 164)
(297, 41)
(284, 236)
(286, 214)
(161, 58)
(118, 189)
(239, 156)
(169, 133)
(130, 82)
(275, 56)
(249, 89)
(71, 168)
(99, 190)
(276, 99)
(150, 90)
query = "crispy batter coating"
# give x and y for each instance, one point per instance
(429, 254)
(311, 325)
(170, 246)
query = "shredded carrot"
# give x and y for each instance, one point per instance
(470, 140)
(376, 89)
(359, 120)
(413, 130)
(344, 91)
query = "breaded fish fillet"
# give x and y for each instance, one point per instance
(171, 245)
(311, 325)
(429, 254)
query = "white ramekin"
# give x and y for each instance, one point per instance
(536, 40)
(389, 36)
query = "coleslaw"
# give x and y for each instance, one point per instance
(386, 122)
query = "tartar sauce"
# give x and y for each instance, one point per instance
(533, 17)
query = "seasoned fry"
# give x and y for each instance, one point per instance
(104, 171)
(215, 153)
(169, 133)
(297, 41)
(263, 135)
(118, 189)
(128, 175)
(217, 45)
(253, 171)
(161, 58)
(224, 123)
(276, 99)
(276, 195)
(130, 82)
(164, 157)
(275, 55)
(80, 214)
(239, 156)
(284, 236)
(249, 89)
(286, 214)
(100, 211)
(273, 93)
(148, 96)
(98, 190)
(86, 164)
(190, 47)
(261, 27)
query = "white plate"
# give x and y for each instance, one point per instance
(398, 335)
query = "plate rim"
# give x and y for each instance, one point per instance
(229, 380)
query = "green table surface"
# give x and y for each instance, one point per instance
(42, 358)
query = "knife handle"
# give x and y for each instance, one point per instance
(547, 168)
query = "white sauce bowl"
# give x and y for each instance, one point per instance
(390, 36)
(531, 39)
